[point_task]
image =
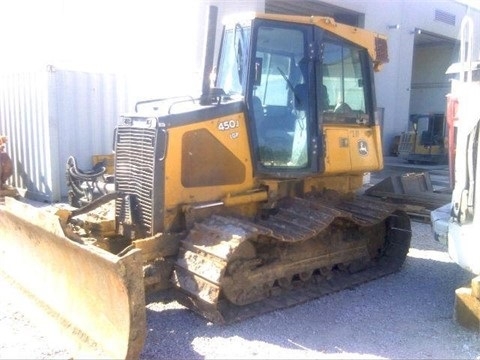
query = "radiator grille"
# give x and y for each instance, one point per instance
(406, 143)
(381, 50)
(135, 172)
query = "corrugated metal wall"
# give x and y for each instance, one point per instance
(52, 114)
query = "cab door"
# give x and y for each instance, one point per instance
(281, 99)
(351, 133)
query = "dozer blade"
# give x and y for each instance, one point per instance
(95, 296)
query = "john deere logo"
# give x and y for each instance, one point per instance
(362, 147)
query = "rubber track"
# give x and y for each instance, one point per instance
(207, 250)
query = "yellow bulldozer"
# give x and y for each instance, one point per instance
(426, 142)
(245, 200)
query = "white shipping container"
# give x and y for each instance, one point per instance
(52, 114)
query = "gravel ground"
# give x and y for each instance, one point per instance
(406, 315)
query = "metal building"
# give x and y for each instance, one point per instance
(51, 114)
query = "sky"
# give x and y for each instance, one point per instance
(147, 37)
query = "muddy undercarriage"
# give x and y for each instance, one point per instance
(229, 269)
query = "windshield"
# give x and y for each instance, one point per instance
(231, 74)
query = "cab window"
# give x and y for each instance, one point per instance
(279, 97)
(343, 82)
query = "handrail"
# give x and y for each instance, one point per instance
(143, 102)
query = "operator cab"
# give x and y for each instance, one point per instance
(294, 78)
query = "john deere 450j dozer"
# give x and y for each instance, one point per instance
(244, 201)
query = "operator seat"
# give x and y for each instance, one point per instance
(299, 147)
(258, 112)
(301, 97)
(325, 99)
(258, 117)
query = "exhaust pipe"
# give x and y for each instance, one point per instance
(206, 97)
